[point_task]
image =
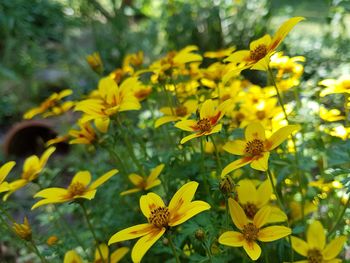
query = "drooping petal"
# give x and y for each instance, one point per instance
(254, 131)
(131, 233)
(117, 255)
(46, 155)
(262, 216)
(300, 246)
(5, 169)
(334, 247)
(186, 125)
(149, 202)
(155, 173)
(187, 212)
(261, 163)
(264, 193)
(53, 192)
(246, 192)
(283, 31)
(102, 124)
(232, 239)
(165, 119)
(130, 191)
(272, 233)
(136, 179)
(315, 235)
(145, 243)
(237, 214)
(280, 136)
(252, 249)
(102, 179)
(235, 165)
(190, 137)
(48, 201)
(104, 251)
(183, 196)
(83, 177)
(236, 147)
(153, 184)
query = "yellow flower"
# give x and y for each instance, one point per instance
(95, 62)
(50, 102)
(32, 167)
(160, 217)
(252, 199)
(24, 230)
(115, 257)
(183, 111)
(59, 109)
(109, 99)
(219, 53)
(287, 65)
(142, 183)
(340, 131)
(4, 171)
(315, 249)
(256, 147)
(334, 86)
(86, 134)
(258, 57)
(331, 115)
(72, 257)
(79, 187)
(251, 232)
(207, 124)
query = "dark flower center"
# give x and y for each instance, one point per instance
(181, 111)
(254, 147)
(250, 232)
(258, 53)
(159, 217)
(314, 256)
(204, 125)
(76, 188)
(250, 210)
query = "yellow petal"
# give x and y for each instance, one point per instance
(186, 125)
(130, 191)
(153, 184)
(261, 163)
(136, 179)
(265, 40)
(246, 192)
(262, 216)
(104, 251)
(145, 243)
(54, 192)
(235, 165)
(149, 202)
(232, 239)
(264, 193)
(164, 120)
(187, 212)
(334, 248)
(83, 177)
(131, 233)
(102, 179)
(72, 257)
(238, 57)
(237, 214)
(215, 129)
(315, 235)
(102, 124)
(5, 169)
(117, 255)
(254, 131)
(190, 137)
(283, 31)
(281, 135)
(47, 201)
(277, 215)
(236, 147)
(207, 109)
(252, 249)
(183, 196)
(300, 246)
(272, 233)
(46, 155)
(155, 173)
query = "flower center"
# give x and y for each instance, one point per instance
(142, 93)
(76, 188)
(260, 114)
(254, 147)
(181, 111)
(159, 217)
(258, 53)
(204, 125)
(250, 232)
(314, 256)
(250, 210)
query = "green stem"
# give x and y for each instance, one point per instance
(92, 230)
(205, 181)
(346, 109)
(216, 153)
(170, 103)
(173, 248)
(42, 259)
(207, 248)
(340, 218)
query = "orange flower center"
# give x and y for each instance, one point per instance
(254, 147)
(258, 53)
(260, 114)
(250, 210)
(250, 232)
(314, 256)
(181, 111)
(76, 188)
(159, 217)
(204, 125)
(142, 93)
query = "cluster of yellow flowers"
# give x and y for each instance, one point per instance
(203, 102)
